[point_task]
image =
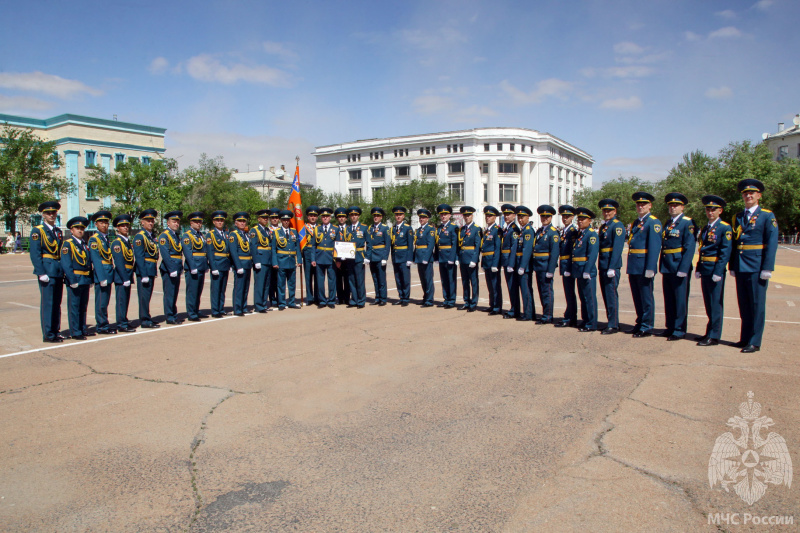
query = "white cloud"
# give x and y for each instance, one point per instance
(726, 32)
(15, 104)
(205, 67)
(632, 102)
(719, 93)
(39, 82)
(470, 114)
(552, 87)
(432, 39)
(158, 66)
(726, 14)
(428, 104)
(763, 4)
(631, 71)
(691, 36)
(279, 50)
(628, 48)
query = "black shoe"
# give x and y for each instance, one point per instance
(492, 313)
(642, 334)
(382, 304)
(566, 324)
(332, 306)
(107, 332)
(448, 306)
(61, 337)
(404, 304)
(79, 337)
(427, 305)
(609, 331)
(322, 306)
(148, 325)
(374, 303)
(674, 338)
(704, 338)
(203, 315)
(351, 306)
(586, 330)
(472, 310)
(217, 315)
(463, 308)
(295, 306)
(665, 333)
(174, 322)
(440, 305)
(398, 302)
(281, 308)
(543, 321)
(525, 319)
(127, 330)
(740, 344)
(238, 314)
(54, 340)
(708, 342)
(751, 348)
(196, 319)
(633, 331)
(508, 315)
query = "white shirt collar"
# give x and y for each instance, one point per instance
(711, 224)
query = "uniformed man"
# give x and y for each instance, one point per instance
(341, 267)
(508, 257)
(219, 262)
(77, 267)
(447, 254)
(195, 265)
(402, 254)
(145, 251)
(242, 260)
(171, 249)
(715, 252)
(424, 244)
(45, 252)
(379, 240)
(322, 258)
(546, 249)
(522, 265)
(490, 259)
(103, 271)
(274, 225)
(470, 238)
(585, 248)
(124, 264)
(262, 247)
(612, 242)
(286, 260)
(568, 235)
(644, 247)
(677, 251)
(310, 272)
(358, 235)
(755, 243)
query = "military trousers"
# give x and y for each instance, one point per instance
(523, 287)
(122, 299)
(587, 291)
(378, 272)
(676, 302)
(571, 312)
(78, 304)
(545, 287)
(494, 286)
(326, 273)
(751, 293)
(52, 294)
(287, 279)
(341, 271)
(448, 275)
(194, 291)
(609, 288)
(358, 288)
(102, 297)
(425, 273)
(513, 292)
(402, 278)
(261, 281)
(241, 290)
(219, 286)
(144, 292)
(272, 284)
(713, 298)
(469, 285)
(171, 288)
(643, 303)
(310, 276)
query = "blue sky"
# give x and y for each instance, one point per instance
(637, 84)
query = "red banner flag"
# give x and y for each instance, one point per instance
(295, 205)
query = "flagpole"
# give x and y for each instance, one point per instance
(302, 275)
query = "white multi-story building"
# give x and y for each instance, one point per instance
(481, 166)
(786, 142)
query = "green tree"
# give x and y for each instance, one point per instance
(28, 174)
(413, 195)
(620, 189)
(137, 186)
(691, 177)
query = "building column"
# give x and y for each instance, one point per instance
(526, 191)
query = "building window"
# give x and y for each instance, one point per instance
(456, 190)
(551, 194)
(798, 149)
(91, 225)
(55, 158)
(485, 147)
(433, 149)
(456, 168)
(486, 192)
(507, 168)
(511, 147)
(118, 159)
(427, 150)
(348, 158)
(395, 153)
(484, 168)
(460, 147)
(134, 159)
(91, 194)
(355, 194)
(91, 158)
(508, 192)
(378, 173)
(421, 150)
(376, 192)
(354, 174)
(428, 170)
(499, 147)
(448, 148)
(403, 171)
(145, 160)
(783, 151)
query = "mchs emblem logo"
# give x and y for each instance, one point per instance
(747, 461)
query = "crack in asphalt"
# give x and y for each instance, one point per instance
(20, 389)
(673, 413)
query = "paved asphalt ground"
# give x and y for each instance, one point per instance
(383, 419)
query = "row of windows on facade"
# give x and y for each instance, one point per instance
(456, 148)
(457, 167)
(783, 151)
(90, 158)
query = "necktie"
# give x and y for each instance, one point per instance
(58, 233)
(747, 216)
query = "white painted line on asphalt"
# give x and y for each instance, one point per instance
(778, 286)
(790, 249)
(790, 303)
(19, 281)
(25, 305)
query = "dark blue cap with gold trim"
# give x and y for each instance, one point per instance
(546, 210)
(444, 209)
(608, 203)
(399, 210)
(378, 211)
(711, 200)
(262, 213)
(467, 210)
(491, 211)
(522, 210)
(325, 211)
(274, 212)
(197, 216)
(312, 210)
(102, 216)
(174, 215)
(676, 198)
(77, 222)
(643, 196)
(219, 215)
(584, 212)
(148, 214)
(52, 205)
(242, 216)
(285, 214)
(119, 220)
(508, 209)
(422, 212)
(354, 210)
(750, 184)
(340, 212)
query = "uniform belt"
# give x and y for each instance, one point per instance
(285, 252)
(541, 254)
(445, 247)
(487, 253)
(750, 247)
(360, 249)
(379, 246)
(129, 266)
(578, 259)
(198, 254)
(175, 256)
(401, 247)
(672, 251)
(106, 262)
(519, 254)
(245, 257)
(709, 259)
(562, 257)
(467, 247)
(604, 250)
(51, 256)
(637, 251)
(82, 272)
(151, 260)
(324, 249)
(422, 246)
(264, 248)
(218, 254)
(506, 251)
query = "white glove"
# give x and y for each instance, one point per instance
(765, 274)
(716, 279)
(649, 273)
(586, 275)
(74, 285)
(408, 263)
(126, 283)
(521, 271)
(193, 271)
(173, 274)
(494, 269)
(682, 274)
(548, 275)
(509, 269)
(472, 264)
(44, 278)
(104, 283)
(215, 272)
(733, 273)
(697, 275)
(366, 260)
(258, 266)
(567, 274)
(145, 280)
(611, 273)
(424, 262)
(449, 262)
(240, 271)
(383, 262)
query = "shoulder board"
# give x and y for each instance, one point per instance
(687, 218)
(723, 223)
(766, 210)
(554, 230)
(40, 227)
(652, 217)
(591, 230)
